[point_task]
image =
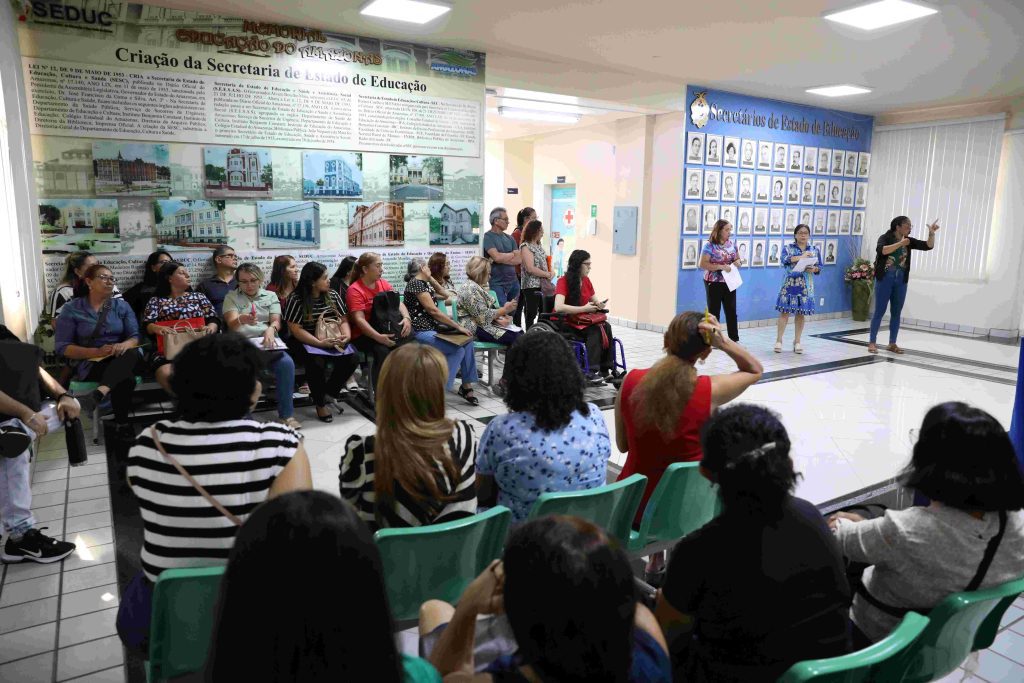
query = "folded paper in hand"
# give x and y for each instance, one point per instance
(278, 345)
(732, 278)
(804, 263)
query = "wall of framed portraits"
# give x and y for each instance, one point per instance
(767, 166)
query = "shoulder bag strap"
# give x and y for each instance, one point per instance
(990, 553)
(100, 321)
(195, 484)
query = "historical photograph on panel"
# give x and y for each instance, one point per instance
(744, 221)
(747, 158)
(731, 152)
(820, 215)
(63, 167)
(764, 188)
(778, 189)
(838, 157)
(781, 150)
(728, 187)
(775, 221)
(821, 192)
(288, 225)
(757, 260)
(832, 227)
(695, 148)
(796, 158)
(131, 169)
(864, 165)
(691, 252)
(824, 161)
(807, 193)
(415, 177)
(714, 150)
(238, 173)
(831, 252)
(858, 223)
(790, 224)
(774, 249)
(728, 214)
(861, 199)
(848, 188)
(334, 175)
(189, 224)
(761, 220)
(747, 187)
(380, 224)
(820, 246)
(850, 170)
(743, 250)
(691, 219)
(463, 179)
(694, 179)
(710, 216)
(806, 217)
(793, 192)
(455, 223)
(764, 155)
(835, 192)
(68, 225)
(844, 222)
(711, 184)
(810, 158)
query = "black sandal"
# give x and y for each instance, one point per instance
(468, 395)
(324, 418)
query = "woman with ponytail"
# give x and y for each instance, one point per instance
(763, 585)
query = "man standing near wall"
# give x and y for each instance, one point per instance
(501, 249)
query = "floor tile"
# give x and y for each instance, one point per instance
(51, 464)
(89, 657)
(91, 537)
(114, 675)
(42, 500)
(48, 475)
(29, 570)
(1010, 645)
(89, 481)
(28, 614)
(1013, 614)
(27, 642)
(87, 627)
(83, 522)
(995, 668)
(49, 513)
(85, 507)
(32, 589)
(88, 600)
(88, 556)
(88, 493)
(38, 669)
(87, 470)
(89, 577)
(49, 486)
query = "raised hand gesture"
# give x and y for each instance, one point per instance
(933, 227)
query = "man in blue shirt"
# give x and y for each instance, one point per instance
(504, 255)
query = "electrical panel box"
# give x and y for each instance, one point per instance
(624, 230)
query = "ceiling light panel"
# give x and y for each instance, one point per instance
(838, 90)
(413, 11)
(876, 15)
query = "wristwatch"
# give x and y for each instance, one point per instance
(65, 395)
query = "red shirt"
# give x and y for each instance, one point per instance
(650, 453)
(586, 291)
(359, 297)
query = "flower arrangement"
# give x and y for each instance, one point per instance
(862, 269)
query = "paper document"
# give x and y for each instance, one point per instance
(278, 344)
(513, 328)
(805, 263)
(733, 279)
(317, 351)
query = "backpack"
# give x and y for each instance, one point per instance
(386, 315)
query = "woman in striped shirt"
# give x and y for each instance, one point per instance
(238, 461)
(419, 467)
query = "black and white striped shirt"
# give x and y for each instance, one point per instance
(356, 484)
(235, 461)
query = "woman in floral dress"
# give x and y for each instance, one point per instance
(797, 294)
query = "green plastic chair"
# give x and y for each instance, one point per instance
(957, 626)
(886, 660)
(611, 507)
(682, 502)
(438, 561)
(80, 388)
(182, 621)
(490, 349)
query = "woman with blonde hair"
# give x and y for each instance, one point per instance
(476, 310)
(419, 466)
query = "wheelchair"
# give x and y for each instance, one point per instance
(549, 321)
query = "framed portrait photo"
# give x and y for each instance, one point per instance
(850, 169)
(832, 226)
(743, 250)
(796, 159)
(712, 185)
(760, 220)
(728, 214)
(821, 192)
(764, 187)
(835, 193)
(806, 217)
(774, 252)
(775, 218)
(778, 191)
(710, 217)
(807, 191)
(845, 220)
(831, 252)
(731, 152)
(695, 148)
(793, 190)
(730, 186)
(820, 216)
(848, 188)
(789, 225)
(838, 157)
(691, 219)
(858, 223)
(748, 154)
(781, 153)
(694, 183)
(747, 182)
(864, 165)
(758, 256)
(713, 150)
(744, 220)
(824, 161)
(820, 246)
(810, 158)
(861, 197)
(764, 155)
(690, 255)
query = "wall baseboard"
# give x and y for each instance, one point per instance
(743, 324)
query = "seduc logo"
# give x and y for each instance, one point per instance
(59, 14)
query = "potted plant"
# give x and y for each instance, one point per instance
(861, 276)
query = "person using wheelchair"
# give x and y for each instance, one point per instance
(580, 314)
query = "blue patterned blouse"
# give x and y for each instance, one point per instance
(78, 319)
(526, 461)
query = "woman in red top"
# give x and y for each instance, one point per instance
(574, 294)
(647, 427)
(366, 284)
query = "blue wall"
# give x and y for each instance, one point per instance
(761, 119)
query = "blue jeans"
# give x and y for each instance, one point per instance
(16, 488)
(284, 376)
(506, 291)
(891, 292)
(458, 357)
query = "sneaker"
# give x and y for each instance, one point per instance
(13, 442)
(594, 379)
(37, 547)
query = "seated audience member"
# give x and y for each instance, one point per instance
(173, 299)
(215, 288)
(476, 308)
(238, 461)
(284, 276)
(964, 462)
(75, 265)
(552, 440)
(342, 277)
(568, 592)
(284, 639)
(427, 320)
(255, 313)
(441, 277)
(139, 294)
(534, 270)
(21, 422)
(102, 335)
(763, 585)
(660, 411)
(312, 298)
(418, 467)
(574, 296)
(366, 284)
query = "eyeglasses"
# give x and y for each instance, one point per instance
(107, 278)
(233, 256)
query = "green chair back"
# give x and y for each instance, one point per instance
(438, 561)
(611, 507)
(886, 660)
(682, 502)
(958, 625)
(182, 622)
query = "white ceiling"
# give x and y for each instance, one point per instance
(643, 52)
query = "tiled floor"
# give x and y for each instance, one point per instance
(848, 414)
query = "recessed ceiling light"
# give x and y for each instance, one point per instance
(875, 15)
(838, 90)
(536, 115)
(413, 11)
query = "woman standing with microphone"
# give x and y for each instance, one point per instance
(718, 255)
(797, 295)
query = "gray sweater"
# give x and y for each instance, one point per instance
(922, 554)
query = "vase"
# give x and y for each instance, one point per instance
(861, 299)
